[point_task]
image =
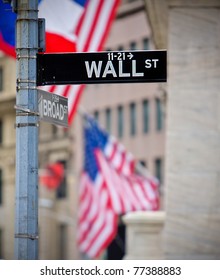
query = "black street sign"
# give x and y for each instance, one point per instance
(53, 108)
(102, 67)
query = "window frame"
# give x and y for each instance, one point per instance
(1, 244)
(133, 46)
(63, 241)
(146, 116)
(120, 123)
(108, 119)
(158, 163)
(1, 79)
(146, 43)
(159, 115)
(1, 186)
(96, 115)
(61, 192)
(133, 119)
(1, 132)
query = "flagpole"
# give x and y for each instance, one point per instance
(26, 220)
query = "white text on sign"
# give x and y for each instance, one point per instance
(53, 108)
(98, 69)
(101, 68)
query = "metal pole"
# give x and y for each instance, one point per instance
(26, 221)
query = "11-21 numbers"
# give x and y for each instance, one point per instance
(117, 56)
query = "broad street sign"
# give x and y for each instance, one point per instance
(53, 108)
(102, 67)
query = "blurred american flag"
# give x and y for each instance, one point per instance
(90, 22)
(109, 187)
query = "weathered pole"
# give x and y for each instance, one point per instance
(26, 221)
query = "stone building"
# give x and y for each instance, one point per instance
(7, 156)
(190, 32)
(131, 112)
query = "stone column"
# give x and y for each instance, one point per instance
(190, 29)
(192, 229)
(143, 235)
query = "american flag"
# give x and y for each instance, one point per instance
(90, 22)
(71, 25)
(109, 187)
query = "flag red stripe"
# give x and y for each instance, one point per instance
(91, 235)
(57, 43)
(87, 216)
(66, 90)
(108, 239)
(101, 225)
(108, 230)
(122, 162)
(53, 88)
(96, 223)
(85, 203)
(73, 107)
(79, 25)
(107, 28)
(93, 26)
(6, 48)
(113, 149)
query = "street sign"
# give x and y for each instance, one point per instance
(101, 67)
(53, 108)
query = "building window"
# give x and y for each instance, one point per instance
(159, 115)
(63, 242)
(145, 111)
(1, 186)
(96, 115)
(120, 121)
(62, 189)
(146, 44)
(1, 79)
(133, 46)
(108, 119)
(132, 119)
(120, 48)
(158, 169)
(54, 130)
(1, 244)
(143, 163)
(1, 132)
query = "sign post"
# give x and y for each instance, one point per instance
(26, 220)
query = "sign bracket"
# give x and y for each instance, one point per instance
(26, 111)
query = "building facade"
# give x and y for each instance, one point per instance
(7, 156)
(190, 32)
(133, 113)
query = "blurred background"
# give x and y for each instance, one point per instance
(172, 129)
